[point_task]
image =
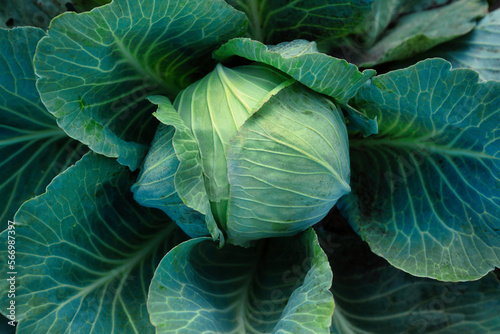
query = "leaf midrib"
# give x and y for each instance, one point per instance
(139, 68)
(128, 266)
(242, 309)
(418, 144)
(35, 135)
(256, 20)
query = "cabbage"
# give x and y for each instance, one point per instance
(273, 153)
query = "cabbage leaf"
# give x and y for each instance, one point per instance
(425, 189)
(33, 148)
(371, 296)
(201, 288)
(97, 68)
(287, 166)
(86, 253)
(417, 28)
(279, 20)
(478, 50)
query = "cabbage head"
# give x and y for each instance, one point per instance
(272, 155)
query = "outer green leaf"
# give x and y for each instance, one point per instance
(479, 50)
(383, 12)
(32, 147)
(280, 286)
(155, 186)
(276, 21)
(360, 122)
(287, 166)
(426, 189)
(97, 68)
(371, 296)
(86, 253)
(301, 60)
(387, 12)
(420, 31)
(188, 179)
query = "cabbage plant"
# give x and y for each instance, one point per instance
(210, 166)
(271, 155)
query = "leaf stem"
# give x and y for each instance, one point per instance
(255, 15)
(35, 135)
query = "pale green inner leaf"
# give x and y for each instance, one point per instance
(288, 166)
(215, 108)
(188, 178)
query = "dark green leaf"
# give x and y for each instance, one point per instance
(281, 20)
(86, 252)
(479, 50)
(33, 148)
(97, 68)
(419, 31)
(301, 60)
(155, 187)
(360, 122)
(371, 296)
(279, 286)
(426, 188)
